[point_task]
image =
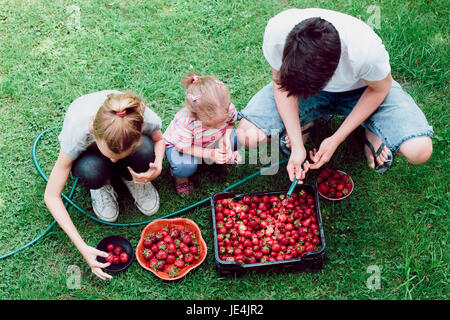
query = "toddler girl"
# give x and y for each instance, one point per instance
(202, 130)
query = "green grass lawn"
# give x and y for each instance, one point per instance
(397, 221)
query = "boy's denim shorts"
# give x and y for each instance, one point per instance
(396, 120)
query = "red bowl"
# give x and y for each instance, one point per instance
(337, 199)
(180, 223)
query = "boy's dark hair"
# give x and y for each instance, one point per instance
(310, 57)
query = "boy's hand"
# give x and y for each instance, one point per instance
(294, 166)
(326, 151)
(142, 178)
(90, 255)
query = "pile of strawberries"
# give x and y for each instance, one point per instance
(267, 228)
(332, 184)
(170, 249)
(116, 255)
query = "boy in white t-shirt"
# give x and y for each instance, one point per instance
(326, 63)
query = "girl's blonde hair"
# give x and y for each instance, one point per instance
(206, 98)
(119, 121)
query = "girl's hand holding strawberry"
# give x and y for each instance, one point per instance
(220, 156)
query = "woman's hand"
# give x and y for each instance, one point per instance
(153, 172)
(90, 255)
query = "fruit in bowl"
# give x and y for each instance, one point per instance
(120, 252)
(333, 184)
(170, 248)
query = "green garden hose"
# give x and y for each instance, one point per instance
(68, 199)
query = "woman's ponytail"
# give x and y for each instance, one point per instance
(119, 121)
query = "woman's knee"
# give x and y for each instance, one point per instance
(92, 170)
(142, 155)
(417, 150)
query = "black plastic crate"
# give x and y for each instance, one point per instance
(310, 262)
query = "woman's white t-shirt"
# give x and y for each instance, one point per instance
(75, 136)
(363, 53)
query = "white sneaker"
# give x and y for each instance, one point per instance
(104, 203)
(145, 196)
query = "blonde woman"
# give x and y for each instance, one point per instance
(106, 133)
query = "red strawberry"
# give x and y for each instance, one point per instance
(194, 250)
(315, 240)
(115, 260)
(276, 247)
(164, 232)
(109, 258)
(148, 254)
(161, 255)
(168, 239)
(323, 188)
(184, 248)
(153, 263)
(170, 258)
(239, 258)
(188, 258)
(171, 248)
(174, 233)
(147, 242)
(110, 247)
(161, 265)
(117, 250)
(179, 263)
(154, 248)
(247, 200)
(124, 257)
(248, 252)
(306, 223)
(324, 174)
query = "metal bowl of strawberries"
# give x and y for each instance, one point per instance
(334, 185)
(170, 248)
